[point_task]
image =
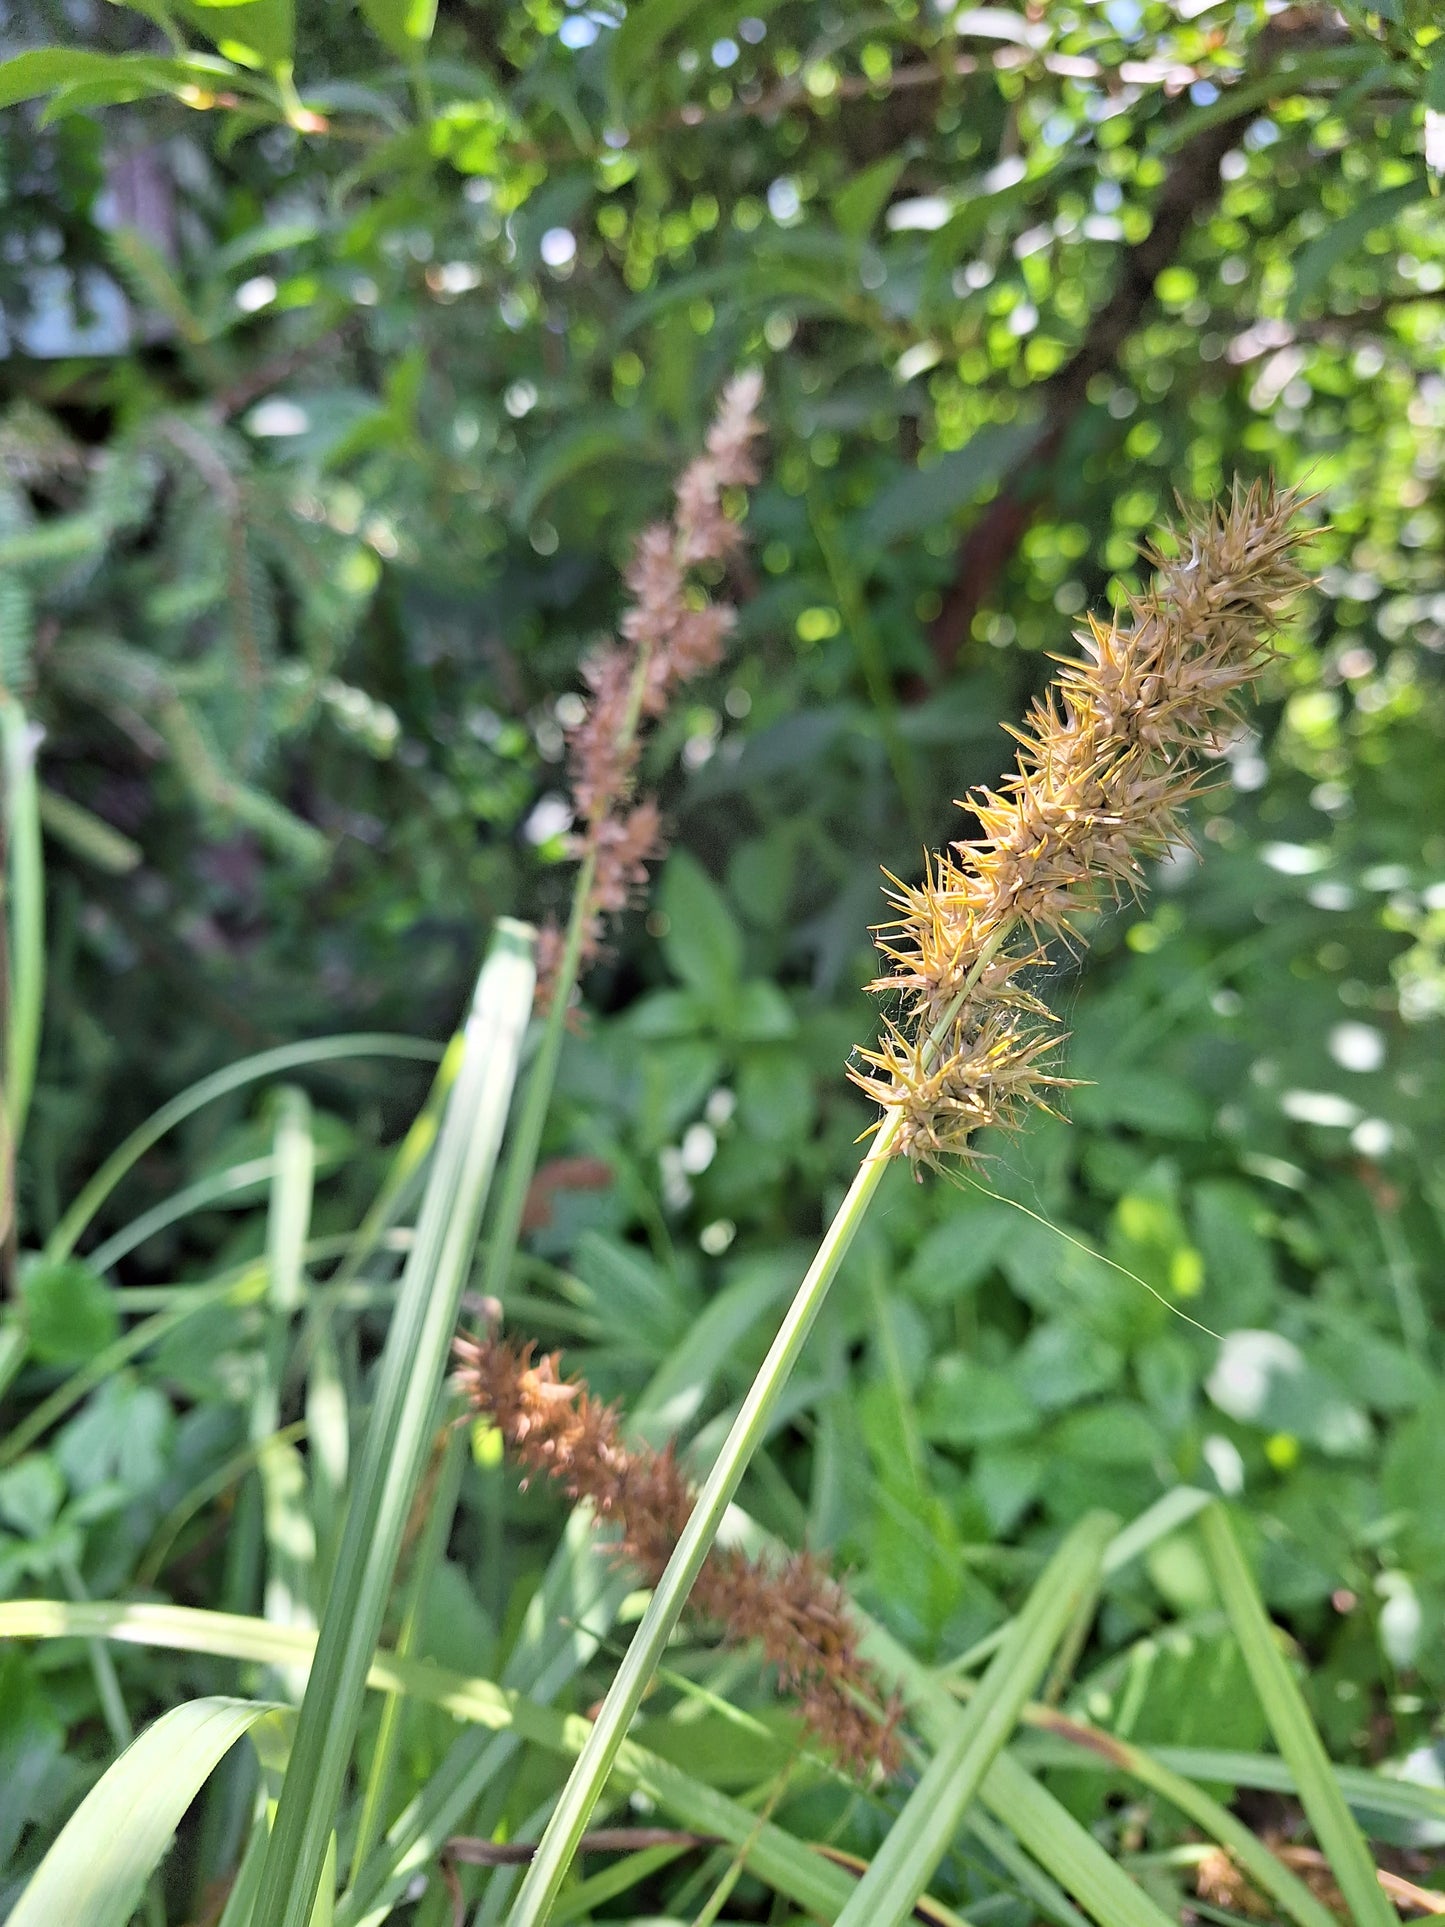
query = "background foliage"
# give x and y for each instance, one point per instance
(343, 358)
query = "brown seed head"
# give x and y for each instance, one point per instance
(670, 634)
(792, 1609)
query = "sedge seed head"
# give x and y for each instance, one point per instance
(1108, 761)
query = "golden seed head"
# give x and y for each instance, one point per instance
(1107, 762)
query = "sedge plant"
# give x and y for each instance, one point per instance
(1107, 766)
(1108, 761)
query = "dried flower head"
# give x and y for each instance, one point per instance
(793, 1610)
(1108, 760)
(670, 633)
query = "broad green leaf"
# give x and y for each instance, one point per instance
(1260, 1378)
(402, 26)
(257, 33)
(857, 205)
(584, 446)
(703, 944)
(921, 498)
(42, 70)
(103, 1856)
(71, 1313)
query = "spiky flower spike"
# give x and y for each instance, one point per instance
(790, 1607)
(1108, 759)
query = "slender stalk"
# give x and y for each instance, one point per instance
(435, 1533)
(23, 888)
(584, 1787)
(589, 1776)
(526, 1137)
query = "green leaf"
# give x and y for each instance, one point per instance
(257, 33)
(1344, 236)
(235, 1077)
(703, 944)
(22, 886)
(585, 445)
(117, 1837)
(31, 1495)
(921, 498)
(966, 1403)
(774, 1855)
(43, 70)
(1260, 1378)
(71, 1313)
(402, 26)
(32, 1741)
(857, 206)
(923, 1832)
(1334, 1827)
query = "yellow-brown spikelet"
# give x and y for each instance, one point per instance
(792, 1609)
(1108, 759)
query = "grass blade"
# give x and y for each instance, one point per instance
(439, 1515)
(1294, 1731)
(1265, 1870)
(101, 1859)
(235, 1077)
(1367, 1794)
(589, 1776)
(923, 1832)
(412, 1366)
(1043, 1827)
(526, 1137)
(1063, 1848)
(774, 1855)
(23, 889)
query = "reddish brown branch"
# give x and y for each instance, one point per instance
(989, 546)
(1191, 186)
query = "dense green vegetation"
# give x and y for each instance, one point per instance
(344, 358)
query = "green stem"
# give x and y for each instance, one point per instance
(22, 888)
(584, 1787)
(588, 1777)
(440, 1513)
(526, 1137)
